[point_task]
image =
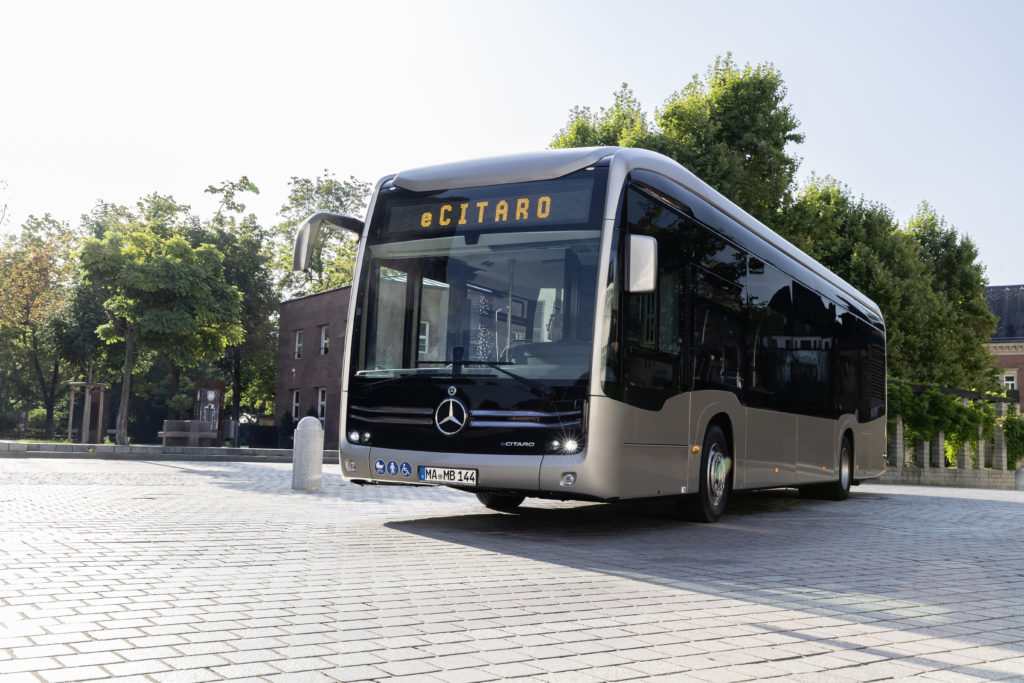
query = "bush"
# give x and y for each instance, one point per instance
(1013, 428)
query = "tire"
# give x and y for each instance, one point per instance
(840, 488)
(715, 477)
(502, 502)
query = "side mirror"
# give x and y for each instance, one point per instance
(305, 235)
(643, 264)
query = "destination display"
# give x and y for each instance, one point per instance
(523, 205)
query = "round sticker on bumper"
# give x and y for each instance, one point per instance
(378, 467)
(405, 469)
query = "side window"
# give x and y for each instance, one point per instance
(875, 383)
(653, 335)
(769, 310)
(715, 255)
(718, 344)
(810, 355)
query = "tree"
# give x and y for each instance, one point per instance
(334, 255)
(161, 294)
(247, 259)
(731, 128)
(35, 272)
(925, 279)
(959, 279)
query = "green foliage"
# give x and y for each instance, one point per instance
(160, 293)
(37, 419)
(35, 281)
(1013, 429)
(333, 260)
(959, 283)
(925, 278)
(730, 127)
(247, 248)
(928, 412)
(287, 424)
(733, 128)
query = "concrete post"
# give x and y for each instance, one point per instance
(308, 455)
(999, 445)
(923, 455)
(938, 450)
(982, 445)
(963, 456)
(897, 450)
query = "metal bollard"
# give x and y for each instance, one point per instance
(1018, 479)
(308, 455)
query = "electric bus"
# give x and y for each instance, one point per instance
(597, 324)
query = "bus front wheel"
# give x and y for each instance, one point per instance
(502, 502)
(715, 478)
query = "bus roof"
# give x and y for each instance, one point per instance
(554, 163)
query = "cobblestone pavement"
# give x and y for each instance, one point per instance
(206, 571)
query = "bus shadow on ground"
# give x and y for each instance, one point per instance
(879, 558)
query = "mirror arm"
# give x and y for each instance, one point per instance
(306, 234)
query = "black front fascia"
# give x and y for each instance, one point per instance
(504, 416)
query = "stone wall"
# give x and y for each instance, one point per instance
(19, 449)
(968, 479)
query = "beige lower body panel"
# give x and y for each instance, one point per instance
(637, 453)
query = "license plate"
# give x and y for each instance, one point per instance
(447, 475)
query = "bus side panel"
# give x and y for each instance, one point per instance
(771, 450)
(631, 452)
(872, 463)
(707, 405)
(817, 449)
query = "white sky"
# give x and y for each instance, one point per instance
(902, 100)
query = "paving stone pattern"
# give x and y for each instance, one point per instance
(195, 571)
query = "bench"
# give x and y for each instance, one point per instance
(188, 433)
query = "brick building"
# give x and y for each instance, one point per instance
(309, 355)
(1007, 344)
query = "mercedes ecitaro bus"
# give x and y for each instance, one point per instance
(598, 324)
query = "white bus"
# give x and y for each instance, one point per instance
(598, 324)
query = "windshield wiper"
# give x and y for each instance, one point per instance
(408, 375)
(539, 387)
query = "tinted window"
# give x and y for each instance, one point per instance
(770, 307)
(717, 332)
(810, 354)
(654, 334)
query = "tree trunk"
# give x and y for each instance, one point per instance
(173, 414)
(49, 396)
(126, 388)
(236, 391)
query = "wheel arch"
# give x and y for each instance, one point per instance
(847, 435)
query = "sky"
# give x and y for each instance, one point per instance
(904, 101)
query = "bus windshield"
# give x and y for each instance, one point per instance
(490, 296)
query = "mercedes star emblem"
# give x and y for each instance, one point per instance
(450, 417)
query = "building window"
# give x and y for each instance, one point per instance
(295, 404)
(1010, 382)
(321, 404)
(325, 339)
(424, 346)
(298, 343)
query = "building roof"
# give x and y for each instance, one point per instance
(1007, 303)
(309, 296)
